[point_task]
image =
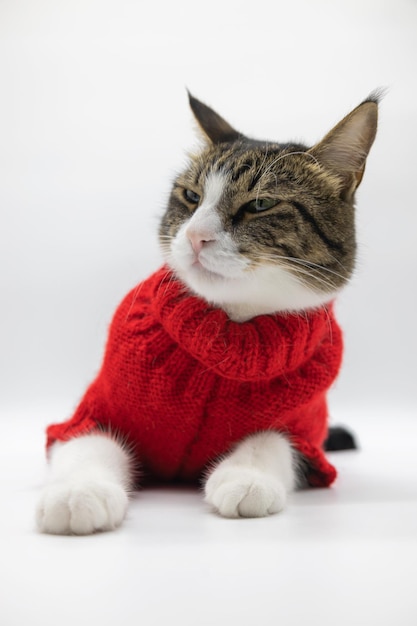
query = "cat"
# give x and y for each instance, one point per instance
(217, 366)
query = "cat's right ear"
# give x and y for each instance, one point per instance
(214, 127)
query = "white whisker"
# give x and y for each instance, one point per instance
(299, 272)
(307, 264)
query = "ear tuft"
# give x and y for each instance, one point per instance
(345, 148)
(214, 127)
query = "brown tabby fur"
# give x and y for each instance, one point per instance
(311, 228)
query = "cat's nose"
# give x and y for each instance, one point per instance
(198, 240)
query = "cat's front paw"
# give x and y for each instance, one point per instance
(244, 492)
(81, 508)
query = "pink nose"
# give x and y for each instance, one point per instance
(198, 240)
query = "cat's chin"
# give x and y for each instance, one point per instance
(208, 284)
(247, 294)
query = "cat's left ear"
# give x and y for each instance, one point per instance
(214, 127)
(345, 148)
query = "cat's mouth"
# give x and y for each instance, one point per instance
(201, 270)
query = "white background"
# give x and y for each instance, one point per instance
(94, 122)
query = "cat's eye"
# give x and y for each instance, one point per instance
(191, 196)
(261, 204)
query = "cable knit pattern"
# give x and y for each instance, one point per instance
(183, 383)
(263, 348)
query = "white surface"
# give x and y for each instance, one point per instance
(346, 555)
(93, 123)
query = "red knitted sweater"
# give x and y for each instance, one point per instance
(183, 383)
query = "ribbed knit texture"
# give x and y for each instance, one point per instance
(183, 383)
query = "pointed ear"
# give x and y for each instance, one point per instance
(345, 148)
(214, 127)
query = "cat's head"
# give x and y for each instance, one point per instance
(258, 227)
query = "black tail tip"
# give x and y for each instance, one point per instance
(339, 438)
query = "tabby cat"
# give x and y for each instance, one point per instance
(217, 366)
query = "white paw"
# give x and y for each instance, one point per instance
(244, 492)
(81, 508)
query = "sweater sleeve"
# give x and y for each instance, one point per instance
(260, 349)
